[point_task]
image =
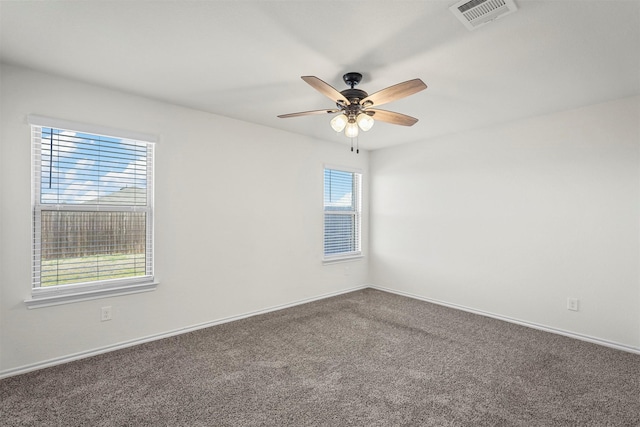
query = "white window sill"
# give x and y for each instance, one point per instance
(47, 299)
(345, 258)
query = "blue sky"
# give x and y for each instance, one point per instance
(87, 166)
(338, 189)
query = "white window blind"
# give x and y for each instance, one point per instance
(341, 213)
(92, 209)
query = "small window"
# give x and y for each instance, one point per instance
(341, 214)
(92, 211)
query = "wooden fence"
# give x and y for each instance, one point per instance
(71, 234)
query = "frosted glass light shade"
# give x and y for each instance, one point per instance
(351, 131)
(365, 121)
(339, 122)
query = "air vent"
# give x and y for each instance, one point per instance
(475, 13)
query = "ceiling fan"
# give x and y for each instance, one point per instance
(356, 107)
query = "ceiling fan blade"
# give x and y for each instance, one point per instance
(308, 113)
(395, 92)
(391, 117)
(325, 88)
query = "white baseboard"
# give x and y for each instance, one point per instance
(94, 352)
(533, 325)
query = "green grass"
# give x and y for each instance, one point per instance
(66, 271)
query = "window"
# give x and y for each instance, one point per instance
(341, 214)
(92, 213)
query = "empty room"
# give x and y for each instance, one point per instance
(300, 213)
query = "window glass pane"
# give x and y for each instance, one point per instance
(338, 190)
(339, 234)
(80, 168)
(92, 210)
(341, 213)
(89, 246)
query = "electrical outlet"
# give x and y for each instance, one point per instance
(105, 313)
(572, 304)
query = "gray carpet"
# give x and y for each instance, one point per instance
(366, 358)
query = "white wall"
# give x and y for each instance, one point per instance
(238, 220)
(513, 219)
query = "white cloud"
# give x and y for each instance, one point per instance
(70, 176)
(79, 192)
(49, 198)
(344, 201)
(81, 182)
(129, 177)
(84, 163)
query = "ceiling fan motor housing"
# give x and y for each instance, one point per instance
(354, 94)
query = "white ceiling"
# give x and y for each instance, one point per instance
(244, 59)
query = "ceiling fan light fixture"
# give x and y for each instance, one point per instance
(351, 130)
(339, 122)
(365, 121)
(354, 112)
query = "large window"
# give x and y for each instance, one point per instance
(342, 202)
(92, 211)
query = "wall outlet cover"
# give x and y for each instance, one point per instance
(572, 304)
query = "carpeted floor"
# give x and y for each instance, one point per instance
(366, 358)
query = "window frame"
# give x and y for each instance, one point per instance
(356, 213)
(67, 293)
